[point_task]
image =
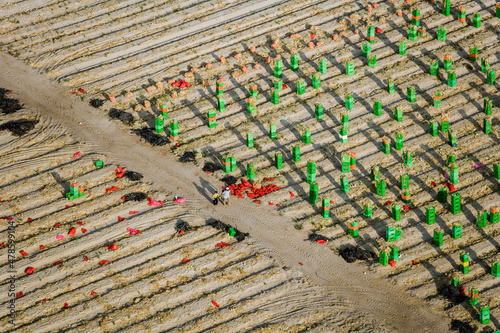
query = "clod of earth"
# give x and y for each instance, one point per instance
(135, 196)
(461, 326)
(132, 175)
(219, 225)
(123, 116)
(351, 253)
(211, 167)
(240, 236)
(96, 103)
(315, 237)
(188, 156)
(148, 135)
(19, 127)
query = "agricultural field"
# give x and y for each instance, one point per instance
(141, 64)
(114, 261)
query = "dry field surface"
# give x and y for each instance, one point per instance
(159, 279)
(122, 48)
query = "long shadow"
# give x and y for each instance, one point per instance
(151, 34)
(99, 246)
(227, 265)
(153, 73)
(64, 184)
(244, 299)
(206, 188)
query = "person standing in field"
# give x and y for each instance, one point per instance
(225, 196)
(215, 198)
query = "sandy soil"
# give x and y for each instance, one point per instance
(345, 282)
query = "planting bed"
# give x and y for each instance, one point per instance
(133, 52)
(160, 278)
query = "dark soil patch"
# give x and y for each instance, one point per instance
(132, 175)
(211, 167)
(219, 225)
(488, 329)
(97, 103)
(8, 105)
(148, 135)
(229, 180)
(240, 236)
(462, 326)
(19, 127)
(182, 226)
(452, 294)
(135, 196)
(351, 253)
(188, 156)
(125, 117)
(315, 237)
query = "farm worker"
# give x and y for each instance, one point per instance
(225, 196)
(215, 198)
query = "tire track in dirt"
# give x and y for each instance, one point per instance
(389, 304)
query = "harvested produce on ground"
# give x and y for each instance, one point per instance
(123, 116)
(135, 196)
(19, 127)
(96, 103)
(148, 135)
(188, 156)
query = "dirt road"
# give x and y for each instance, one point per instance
(275, 233)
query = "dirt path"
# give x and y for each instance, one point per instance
(275, 233)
